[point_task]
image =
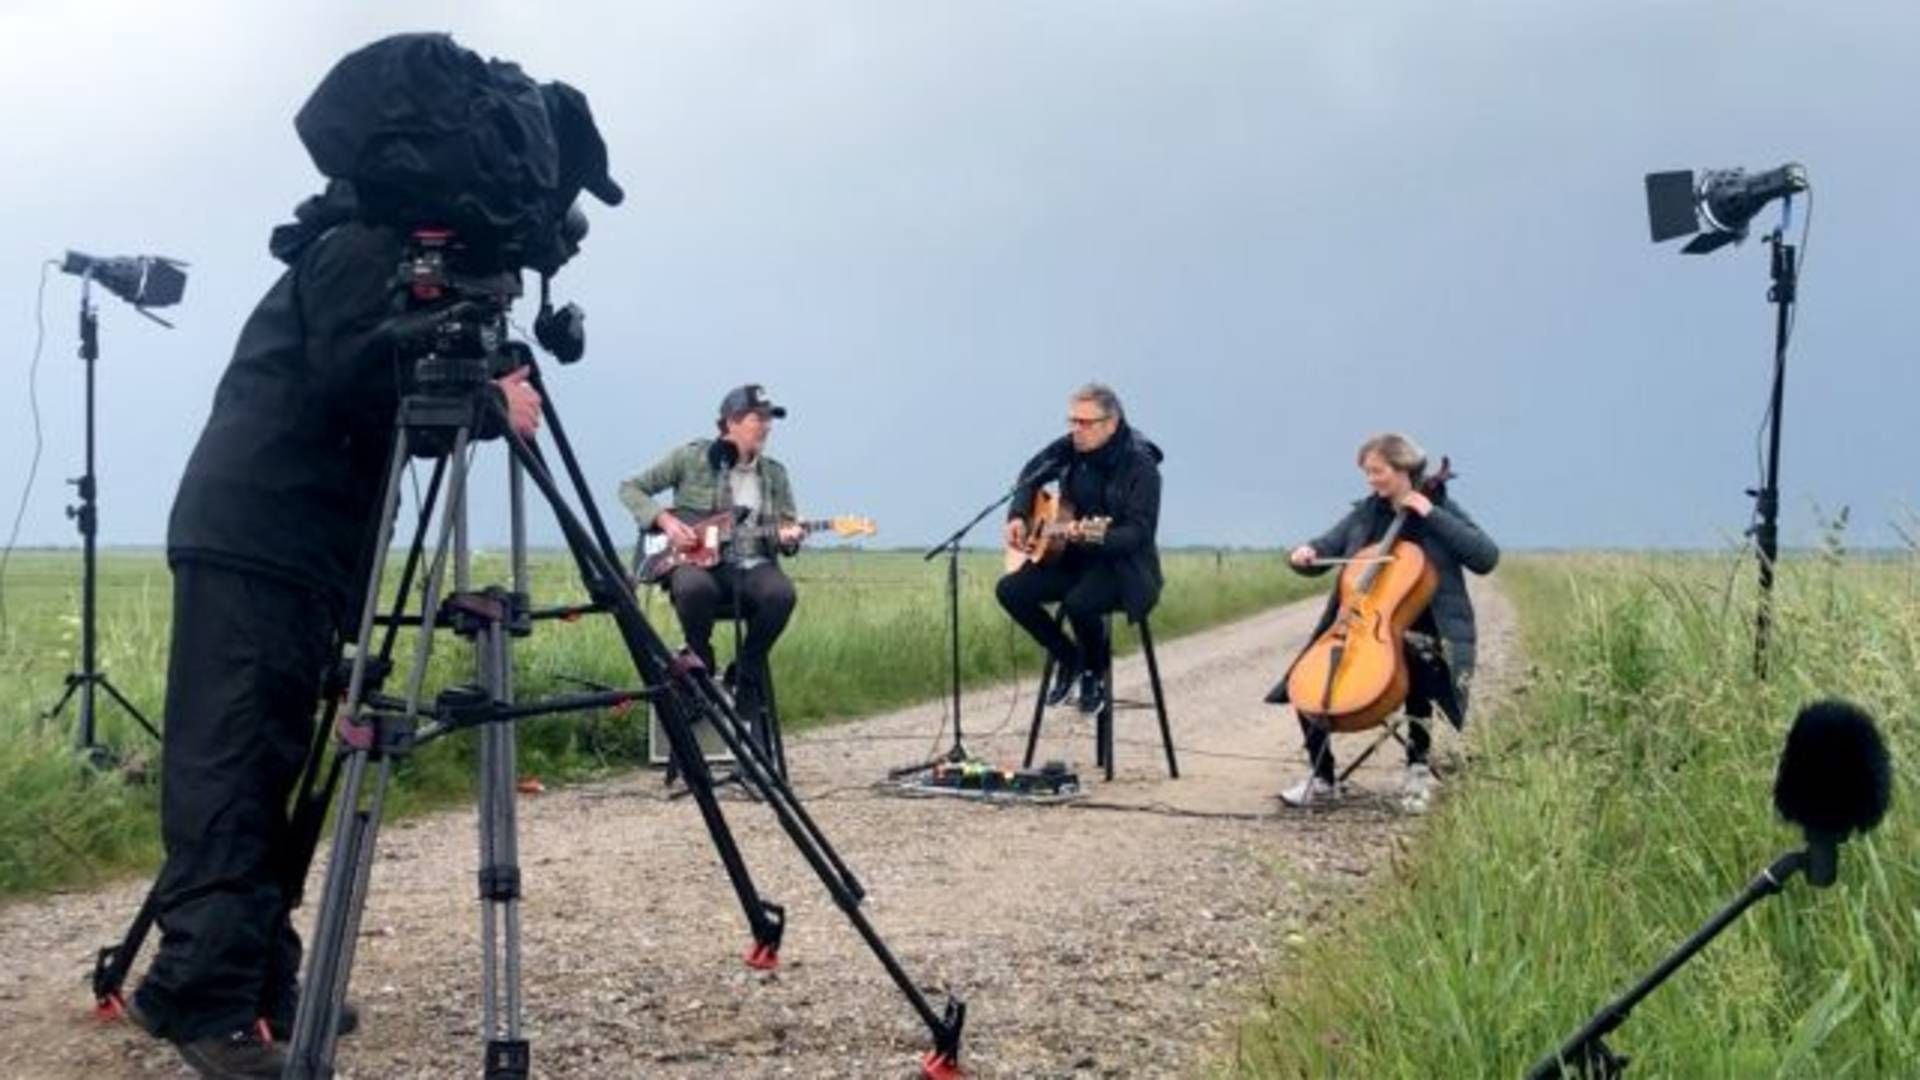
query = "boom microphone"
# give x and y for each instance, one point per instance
(1835, 780)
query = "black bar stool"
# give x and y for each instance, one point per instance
(1103, 725)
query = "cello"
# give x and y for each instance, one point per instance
(1355, 675)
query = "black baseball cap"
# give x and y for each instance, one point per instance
(749, 398)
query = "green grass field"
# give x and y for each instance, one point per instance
(1606, 812)
(870, 633)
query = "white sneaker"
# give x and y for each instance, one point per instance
(1309, 791)
(1416, 789)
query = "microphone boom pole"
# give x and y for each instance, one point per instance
(1586, 1052)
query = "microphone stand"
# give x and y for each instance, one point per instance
(951, 546)
(1586, 1053)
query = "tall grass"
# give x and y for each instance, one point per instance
(1614, 804)
(869, 633)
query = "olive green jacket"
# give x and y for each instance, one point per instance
(700, 488)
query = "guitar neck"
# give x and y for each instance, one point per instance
(752, 531)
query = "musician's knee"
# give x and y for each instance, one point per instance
(776, 594)
(693, 589)
(1010, 592)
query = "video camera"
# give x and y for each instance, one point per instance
(453, 324)
(429, 135)
(480, 167)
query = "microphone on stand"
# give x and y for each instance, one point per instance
(1835, 779)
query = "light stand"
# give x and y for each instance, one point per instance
(1714, 208)
(86, 517)
(1766, 532)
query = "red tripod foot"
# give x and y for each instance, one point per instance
(763, 957)
(936, 1065)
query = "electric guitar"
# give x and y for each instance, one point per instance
(715, 535)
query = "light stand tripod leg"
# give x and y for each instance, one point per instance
(114, 692)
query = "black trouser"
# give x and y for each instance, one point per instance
(1085, 586)
(243, 682)
(1419, 738)
(763, 596)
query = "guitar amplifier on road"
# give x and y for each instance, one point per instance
(712, 747)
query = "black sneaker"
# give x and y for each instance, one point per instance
(1093, 692)
(281, 1027)
(1064, 674)
(237, 1055)
(750, 704)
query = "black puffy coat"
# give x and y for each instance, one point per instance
(288, 471)
(1121, 480)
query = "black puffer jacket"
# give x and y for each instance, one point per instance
(287, 473)
(1121, 480)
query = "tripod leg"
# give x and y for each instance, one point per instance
(337, 922)
(602, 576)
(107, 685)
(507, 1054)
(73, 683)
(760, 773)
(111, 964)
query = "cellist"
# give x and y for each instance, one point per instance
(1395, 468)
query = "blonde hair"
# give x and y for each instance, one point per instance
(1397, 451)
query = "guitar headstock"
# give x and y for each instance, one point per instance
(846, 527)
(1092, 530)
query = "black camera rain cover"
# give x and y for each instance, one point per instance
(429, 133)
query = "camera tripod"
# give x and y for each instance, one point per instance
(375, 730)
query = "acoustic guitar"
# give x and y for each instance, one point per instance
(716, 534)
(1051, 527)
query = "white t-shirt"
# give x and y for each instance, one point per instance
(744, 482)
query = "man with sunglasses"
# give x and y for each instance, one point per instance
(1105, 469)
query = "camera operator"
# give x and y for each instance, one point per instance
(274, 516)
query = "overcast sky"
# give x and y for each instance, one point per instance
(1275, 228)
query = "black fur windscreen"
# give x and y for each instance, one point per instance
(1834, 776)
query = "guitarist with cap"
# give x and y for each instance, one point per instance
(731, 473)
(1106, 470)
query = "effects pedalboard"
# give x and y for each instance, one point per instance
(980, 779)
